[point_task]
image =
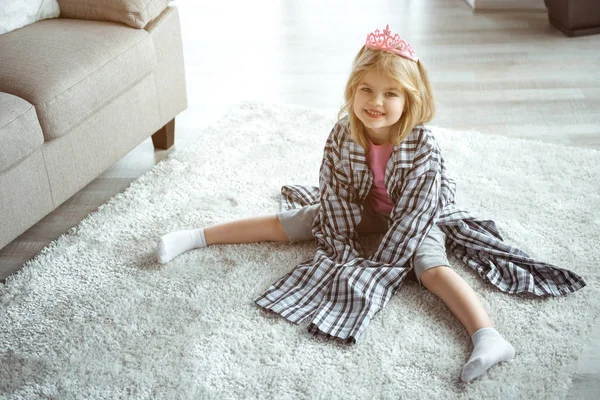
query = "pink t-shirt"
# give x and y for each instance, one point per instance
(377, 159)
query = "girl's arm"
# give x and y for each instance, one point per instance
(412, 218)
(419, 206)
(341, 208)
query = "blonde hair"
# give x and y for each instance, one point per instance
(412, 77)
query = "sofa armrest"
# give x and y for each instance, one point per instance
(135, 13)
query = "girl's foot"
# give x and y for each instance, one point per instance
(173, 244)
(490, 348)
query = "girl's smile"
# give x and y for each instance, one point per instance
(374, 114)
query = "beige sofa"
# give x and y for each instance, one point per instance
(76, 95)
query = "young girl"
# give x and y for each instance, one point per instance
(382, 171)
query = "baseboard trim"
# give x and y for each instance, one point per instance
(506, 4)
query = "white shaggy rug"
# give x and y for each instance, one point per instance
(95, 316)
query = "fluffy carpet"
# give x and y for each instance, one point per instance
(95, 316)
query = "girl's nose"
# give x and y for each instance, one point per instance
(378, 99)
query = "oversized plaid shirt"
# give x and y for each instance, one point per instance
(340, 289)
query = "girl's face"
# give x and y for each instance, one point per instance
(378, 103)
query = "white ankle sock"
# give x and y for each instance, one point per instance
(489, 348)
(173, 244)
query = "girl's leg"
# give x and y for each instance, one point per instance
(248, 230)
(490, 347)
(458, 296)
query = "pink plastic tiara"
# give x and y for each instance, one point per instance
(385, 41)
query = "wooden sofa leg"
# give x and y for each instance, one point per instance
(164, 137)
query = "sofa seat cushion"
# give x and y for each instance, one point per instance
(68, 69)
(20, 131)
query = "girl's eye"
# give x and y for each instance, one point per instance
(366, 89)
(391, 94)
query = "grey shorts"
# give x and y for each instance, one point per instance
(297, 225)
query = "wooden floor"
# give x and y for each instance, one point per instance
(507, 73)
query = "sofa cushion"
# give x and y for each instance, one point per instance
(70, 68)
(135, 13)
(20, 131)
